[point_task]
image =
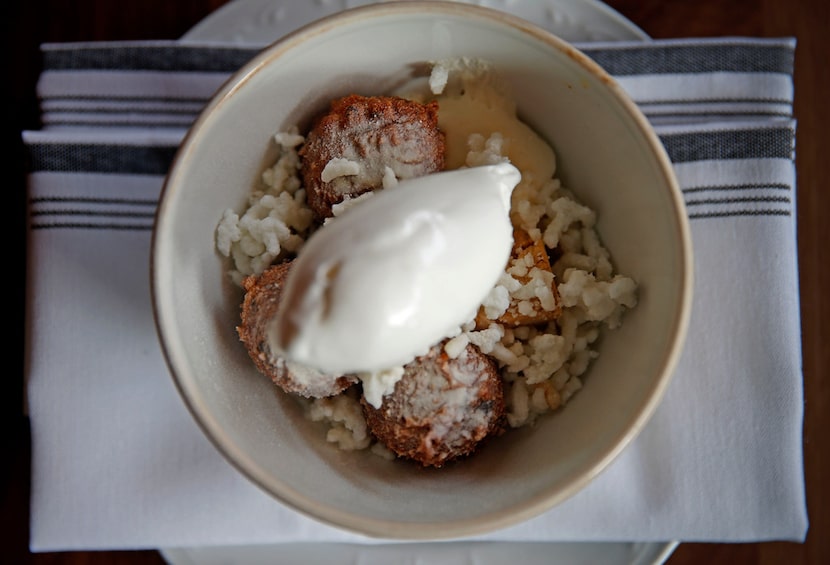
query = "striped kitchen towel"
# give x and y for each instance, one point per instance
(117, 461)
(165, 84)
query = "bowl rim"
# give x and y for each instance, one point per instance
(522, 510)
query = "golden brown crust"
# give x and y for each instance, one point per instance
(524, 248)
(262, 296)
(376, 132)
(442, 408)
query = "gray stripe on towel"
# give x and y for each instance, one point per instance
(753, 143)
(751, 58)
(100, 158)
(173, 58)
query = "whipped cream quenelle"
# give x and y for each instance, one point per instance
(392, 276)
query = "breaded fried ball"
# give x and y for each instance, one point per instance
(442, 408)
(262, 296)
(348, 149)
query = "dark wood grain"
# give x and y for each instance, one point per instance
(27, 24)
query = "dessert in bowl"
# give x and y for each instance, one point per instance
(613, 256)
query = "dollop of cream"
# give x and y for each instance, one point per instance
(378, 384)
(389, 278)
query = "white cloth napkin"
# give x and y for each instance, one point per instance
(118, 462)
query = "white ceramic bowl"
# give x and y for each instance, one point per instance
(607, 154)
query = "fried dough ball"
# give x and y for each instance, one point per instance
(262, 296)
(348, 149)
(442, 408)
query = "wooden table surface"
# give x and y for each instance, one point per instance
(27, 24)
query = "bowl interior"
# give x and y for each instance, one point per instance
(605, 153)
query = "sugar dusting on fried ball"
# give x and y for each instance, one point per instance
(442, 408)
(362, 139)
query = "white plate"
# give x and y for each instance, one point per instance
(480, 553)
(265, 21)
